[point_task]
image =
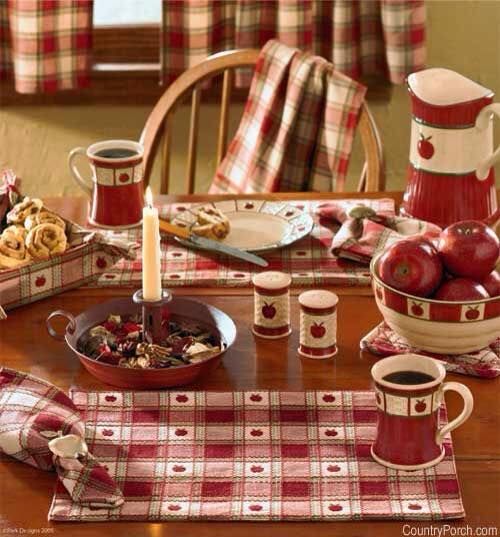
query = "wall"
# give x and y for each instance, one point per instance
(34, 141)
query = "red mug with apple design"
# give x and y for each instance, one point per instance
(409, 390)
(116, 186)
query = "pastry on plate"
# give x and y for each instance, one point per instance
(13, 252)
(23, 209)
(211, 223)
(45, 240)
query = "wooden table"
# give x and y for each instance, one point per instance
(25, 493)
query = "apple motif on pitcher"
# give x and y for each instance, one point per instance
(425, 147)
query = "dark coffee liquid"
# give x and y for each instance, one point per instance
(408, 377)
(116, 152)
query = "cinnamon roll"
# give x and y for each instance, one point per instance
(45, 240)
(20, 211)
(43, 217)
(211, 223)
(13, 250)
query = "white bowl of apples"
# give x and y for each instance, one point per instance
(442, 294)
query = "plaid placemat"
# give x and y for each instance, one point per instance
(260, 456)
(485, 363)
(309, 261)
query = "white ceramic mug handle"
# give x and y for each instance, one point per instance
(482, 121)
(462, 417)
(74, 170)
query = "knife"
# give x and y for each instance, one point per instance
(209, 244)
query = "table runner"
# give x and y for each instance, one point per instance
(255, 455)
(309, 261)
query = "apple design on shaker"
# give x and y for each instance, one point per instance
(420, 405)
(268, 310)
(317, 330)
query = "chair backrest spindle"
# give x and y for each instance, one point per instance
(159, 122)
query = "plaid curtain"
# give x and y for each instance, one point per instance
(45, 44)
(360, 37)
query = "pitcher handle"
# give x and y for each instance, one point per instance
(482, 121)
(466, 395)
(74, 170)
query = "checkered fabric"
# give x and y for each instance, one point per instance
(365, 232)
(46, 44)
(376, 37)
(256, 456)
(297, 128)
(33, 412)
(90, 253)
(309, 261)
(485, 363)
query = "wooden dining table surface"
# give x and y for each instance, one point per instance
(252, 363)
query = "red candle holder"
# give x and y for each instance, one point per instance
(154, 329)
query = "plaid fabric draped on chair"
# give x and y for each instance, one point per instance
(297, 129)
(45, 45)
(375, 37)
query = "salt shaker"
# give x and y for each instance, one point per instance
(272, 304)
(318, 324)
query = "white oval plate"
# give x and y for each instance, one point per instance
(256, 225)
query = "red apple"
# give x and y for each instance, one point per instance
(328, 398)
(256, 469)
(317, 330)
(469, 249)
(268, 310)
(461, 290)
(331, 432)
(411, 266)
(40, 281)
(181, 432)
(335, 507)
(255, 397)
(178, 468)
(333, 468)
(492, 283)
(256, 432)
(425, 148)
(472, 313)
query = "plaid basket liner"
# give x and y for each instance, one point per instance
(255, 455)
(309, 261)
(90, 254)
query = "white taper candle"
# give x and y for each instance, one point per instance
(151, 264)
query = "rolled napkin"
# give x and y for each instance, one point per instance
(364, 232)
(40, 425)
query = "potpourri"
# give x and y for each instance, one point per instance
(119, 341)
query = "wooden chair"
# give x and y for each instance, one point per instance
(158, 124)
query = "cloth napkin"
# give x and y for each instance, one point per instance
(297, 127)
(364, 232)
(485, 363)
(40, 425)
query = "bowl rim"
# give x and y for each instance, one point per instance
(153, 370)
(376, 277)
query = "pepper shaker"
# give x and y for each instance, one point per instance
(272, 304)
(318, 324)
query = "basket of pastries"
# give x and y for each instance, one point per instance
(42, 254)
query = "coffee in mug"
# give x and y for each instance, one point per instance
(409, 390)
(116, 185)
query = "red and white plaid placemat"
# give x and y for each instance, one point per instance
(309, 261)
(260, 456)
